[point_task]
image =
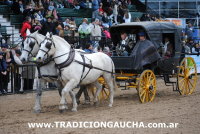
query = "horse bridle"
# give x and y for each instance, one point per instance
(31, 45)
(48, 46)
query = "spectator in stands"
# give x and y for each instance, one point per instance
(67, 32)
(66, 22)
(15, 7)
(95, 34)
(189, 31)
(145, 17)
(54, 13)
(26, 25)
(46, 4)
(105, 20)
(101, 7)
(49, 26)
(88, 48)
(59, 3)
(29, 11)
(72, 24)
(49, 14)
(121, 11)
(95, 8)
(36, 25)
(69, 3)
(84, 32)
(51, 6)
(60, 30)
(76, 4)
(38, 16)
(190, 43)
(115, 11)
(21, 6)
(127, 17)
(3, 72)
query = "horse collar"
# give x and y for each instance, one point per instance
(68, 61)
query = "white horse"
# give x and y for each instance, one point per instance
(77, 69)
(47, 73)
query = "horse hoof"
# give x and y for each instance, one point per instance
(74, 110)
(62, 111)
(110, 105)
(96, 103)
(37, 111)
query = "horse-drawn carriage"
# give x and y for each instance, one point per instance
(140, 71)
(137, 70)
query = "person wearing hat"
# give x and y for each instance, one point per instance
(144, 53)
(3, 72)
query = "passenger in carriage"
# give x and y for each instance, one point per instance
(167, 48)
(126, 45)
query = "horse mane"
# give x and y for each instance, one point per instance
(61, 39)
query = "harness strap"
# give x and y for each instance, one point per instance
(90, 66)
(82, 56)
(68, 61)
(39, 73)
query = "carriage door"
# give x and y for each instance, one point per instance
(168, 52)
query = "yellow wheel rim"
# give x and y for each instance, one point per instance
(187, 76)
(147, 86)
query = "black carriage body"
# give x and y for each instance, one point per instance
(155, 32)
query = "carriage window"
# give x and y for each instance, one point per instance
(168, 47)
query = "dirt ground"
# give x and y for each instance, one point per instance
(17, 110)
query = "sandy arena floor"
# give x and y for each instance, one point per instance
(17, 110)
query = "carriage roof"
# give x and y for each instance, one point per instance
(154, 30)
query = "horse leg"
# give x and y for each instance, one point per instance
(40, 84)
(110, 82)
(68, 87)
(99, 88)
(22, 85)
(60, 87)
(74, 108)
(78, 95)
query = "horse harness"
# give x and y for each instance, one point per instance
(31, 45)
(70, 59)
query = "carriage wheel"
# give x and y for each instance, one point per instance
(187, 76)
(147, 86)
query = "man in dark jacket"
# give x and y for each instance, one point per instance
(3, 72)
(49, 26)
(144, 53)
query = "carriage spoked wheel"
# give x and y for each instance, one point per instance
(147, 86)
(187, 76)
